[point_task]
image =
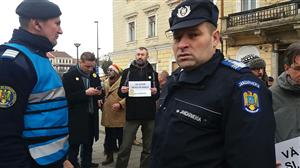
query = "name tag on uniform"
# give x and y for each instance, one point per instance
(139, 89)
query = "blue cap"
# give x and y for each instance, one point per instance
(193, 12)
(38, 9)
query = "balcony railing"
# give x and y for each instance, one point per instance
(267, 13)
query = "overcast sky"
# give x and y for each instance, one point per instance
(78, 25)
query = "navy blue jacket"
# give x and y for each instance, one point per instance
(216, 116)
(18, 74)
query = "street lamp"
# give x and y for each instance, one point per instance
(97, 43)
(77, 45)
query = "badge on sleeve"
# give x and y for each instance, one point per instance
(251, 101)
(94, 75)
(8, 96)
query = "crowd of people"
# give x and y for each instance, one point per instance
(210, 112)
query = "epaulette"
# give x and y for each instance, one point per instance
(9, 53)
(233, 64)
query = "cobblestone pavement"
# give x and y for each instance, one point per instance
(98, 155)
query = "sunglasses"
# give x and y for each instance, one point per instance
(110, 70)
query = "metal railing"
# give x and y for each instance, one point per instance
(267, 13)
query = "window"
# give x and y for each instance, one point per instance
(248, 4)
(152, 26)
(131, 31)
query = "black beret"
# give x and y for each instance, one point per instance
(193, 12)
(38, 9)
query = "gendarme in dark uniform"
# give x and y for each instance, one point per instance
(214, 114)
(33, 106)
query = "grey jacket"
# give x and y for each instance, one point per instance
(286, 106)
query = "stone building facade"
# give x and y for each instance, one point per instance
(264, 27)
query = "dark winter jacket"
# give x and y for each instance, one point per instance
(218, 115)
(140, 108)
(78, 103)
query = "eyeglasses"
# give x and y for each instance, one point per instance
(295, 67)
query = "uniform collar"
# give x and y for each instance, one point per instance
(37, 44)
(198, 74)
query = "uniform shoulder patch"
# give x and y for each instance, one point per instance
(233, 64)
(10, 53)
(243, 83)
(8, 96)
(250, 101)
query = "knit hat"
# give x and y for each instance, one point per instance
(38, 9)
(116, 68)
(253, 61)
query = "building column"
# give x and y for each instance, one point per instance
(274, 61)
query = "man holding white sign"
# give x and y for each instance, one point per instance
(140, 86)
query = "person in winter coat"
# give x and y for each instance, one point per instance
(214, 113)
(286, 96)
(83, 91)
(140, 106)
(33, 106)
(113, 113)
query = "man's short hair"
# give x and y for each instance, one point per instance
(291, 52)
(211, 27)
(87, 56)
(164, 73)
(144, 48)
(270, 79)
(24, 22)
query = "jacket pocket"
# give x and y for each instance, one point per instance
(197, 115)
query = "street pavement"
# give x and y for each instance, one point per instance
(98, 149)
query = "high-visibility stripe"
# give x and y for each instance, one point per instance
(48, 95)
(10, 53)
(45, 132)
(51, 151)
(46, 119)
(45, 106)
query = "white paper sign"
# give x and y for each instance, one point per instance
(288, 153)
(139, 89)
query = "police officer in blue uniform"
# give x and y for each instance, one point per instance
(33, 106)
(213, 112)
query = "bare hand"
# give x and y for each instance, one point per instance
(92, 91)
(100, 103)
(278, 164)
(153, 91)
(68, 164)
(124, 89)
(116, 107)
